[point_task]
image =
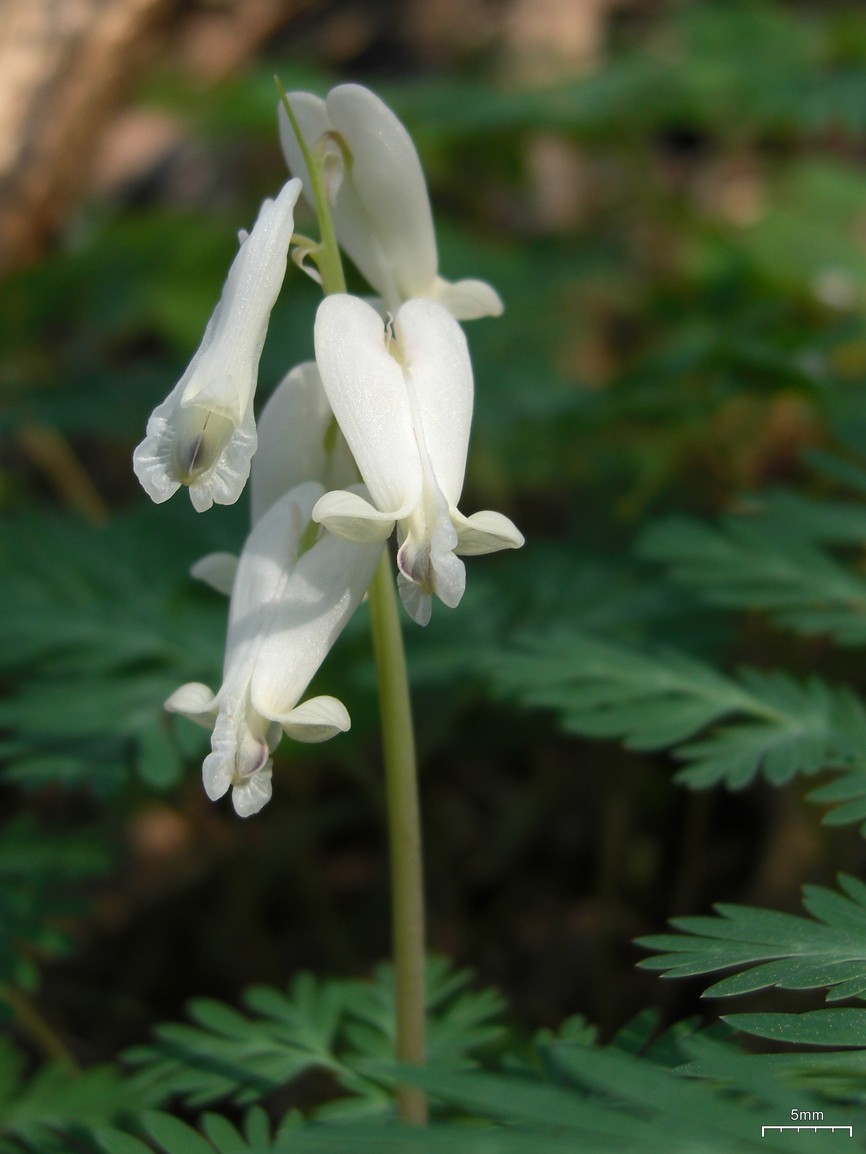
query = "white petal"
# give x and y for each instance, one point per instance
(203, 434)
(252, 794)
(299, 440)
(417, 603)
(349, 516)
(426, 558)
(291, 597)
(216, 773)
(383, 215)
(485, 532)
(240, 745)
(266, 564)
(467, 300)
(316, 719)
(223, 483)
(367, 391)
(436, 358)
(217, 570)
(194, 701)
(326, 586)
(225, 376)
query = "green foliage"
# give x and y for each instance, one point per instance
(41, 876)
(605, 1099)
(94, 645)
(44, 1112)
(328, 1026)
(827, 949)
(766, 723)
(774, 558)
(665, 348)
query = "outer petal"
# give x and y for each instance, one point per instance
(194, 701)
(240, 322)
(299, 440)
(203, 434)
(265, 569)
(217, 570)
(349, 516)
(467, 300)
(440, 387)
(253, 793)
(417, 602)
(317, 719)
(327, 584)
(485, 532)
(381, 206)
(367, 391)
(387, 228)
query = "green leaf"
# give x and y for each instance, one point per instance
(761, 723)
(773, 949)
(814, 1028)
(59, 1099)
(325, 1025)
(773, 561)
(116, 1142)
(94, 645)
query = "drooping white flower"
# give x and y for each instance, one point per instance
(203, 434)
(295, 588)
(380, 204)
(404, 403)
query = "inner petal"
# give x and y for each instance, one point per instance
(199, 441)
(240, 747)
(426, 555)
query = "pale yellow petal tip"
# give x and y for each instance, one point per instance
(349, 516)
(468, 300)
(485, 532)
(195, 701)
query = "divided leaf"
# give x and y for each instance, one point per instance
(773, 949)
(766, 723)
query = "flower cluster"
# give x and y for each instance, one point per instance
(387, 402)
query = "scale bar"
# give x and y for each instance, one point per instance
(850, 1129)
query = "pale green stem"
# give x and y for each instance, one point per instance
(328, 253)
(407, 880)
(398, 741)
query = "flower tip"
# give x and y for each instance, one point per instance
(252, 795)
(468, 300)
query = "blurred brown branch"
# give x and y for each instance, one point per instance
(63, 66)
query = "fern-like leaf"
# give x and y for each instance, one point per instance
(318, 1025)
(773, 560)
(765, 723)
(770, 949)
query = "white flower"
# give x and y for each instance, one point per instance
(404, 404)
(380, 204)
(203, 434)
(299, 440)
(291, 597)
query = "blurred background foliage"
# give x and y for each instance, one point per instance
(671, 199)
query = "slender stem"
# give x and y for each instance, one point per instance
(328, 252)
(398, 737)
(32, 1022)
(407, 882)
